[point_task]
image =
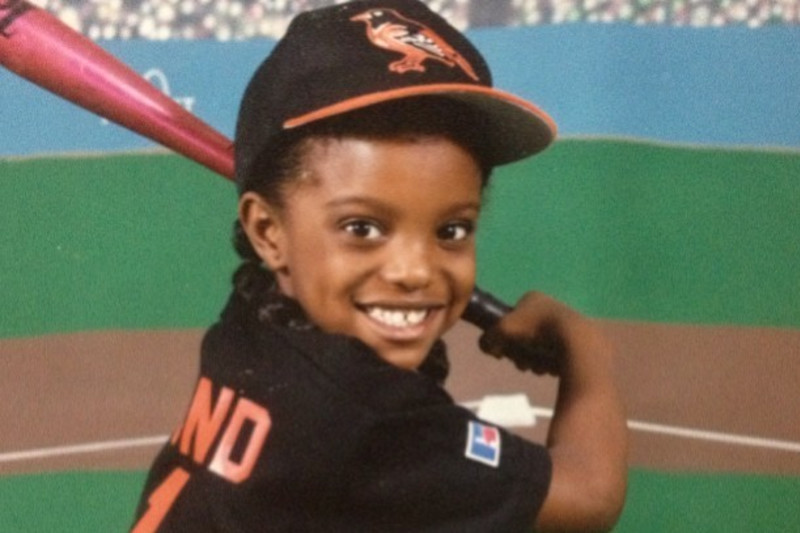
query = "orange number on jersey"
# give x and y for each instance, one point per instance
(161, 500)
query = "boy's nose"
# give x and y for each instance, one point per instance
(410, 266)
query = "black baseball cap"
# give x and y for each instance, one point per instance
(347, 57)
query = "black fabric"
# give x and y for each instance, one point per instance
(355, 444)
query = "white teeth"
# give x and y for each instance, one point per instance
(397, 318)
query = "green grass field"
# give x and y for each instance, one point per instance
(73, 502)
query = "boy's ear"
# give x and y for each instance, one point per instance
(262, 223)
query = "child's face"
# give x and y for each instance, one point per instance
(377, 241)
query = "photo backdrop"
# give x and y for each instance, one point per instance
(670, 199)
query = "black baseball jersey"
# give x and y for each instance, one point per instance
(293, 429)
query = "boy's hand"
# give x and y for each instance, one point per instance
(587, 437)
(534, 335)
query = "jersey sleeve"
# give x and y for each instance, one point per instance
(417, 461)
(441, 469)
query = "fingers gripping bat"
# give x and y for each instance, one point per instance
(40, 48)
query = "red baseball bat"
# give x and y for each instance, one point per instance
(40, 48)
(37, 46)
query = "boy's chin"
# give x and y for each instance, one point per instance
(407, 358)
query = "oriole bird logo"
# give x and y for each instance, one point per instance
(388, 29)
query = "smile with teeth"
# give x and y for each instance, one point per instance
(398, 318)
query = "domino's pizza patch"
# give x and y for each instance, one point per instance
(483, 443)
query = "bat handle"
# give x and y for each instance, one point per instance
(484, 310)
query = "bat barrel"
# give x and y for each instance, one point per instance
(37, 46)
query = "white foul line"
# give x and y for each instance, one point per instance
(699, 434)
(726, 438)
(89, 447)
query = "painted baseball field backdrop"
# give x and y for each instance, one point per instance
(668, 208)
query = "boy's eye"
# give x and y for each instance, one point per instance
(363, 229)
(457, 231)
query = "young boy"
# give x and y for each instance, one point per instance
(363, 146)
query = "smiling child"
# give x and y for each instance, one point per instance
(363, 146)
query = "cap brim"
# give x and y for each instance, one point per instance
(516, 128)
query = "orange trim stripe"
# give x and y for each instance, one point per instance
(417, 90)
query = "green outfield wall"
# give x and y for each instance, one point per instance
(619, 229)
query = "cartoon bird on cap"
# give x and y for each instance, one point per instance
(390, 30)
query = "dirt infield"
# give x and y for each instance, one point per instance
(699, 398)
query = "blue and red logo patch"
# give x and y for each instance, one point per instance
(483, 444)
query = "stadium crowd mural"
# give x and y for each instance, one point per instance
(243, 19)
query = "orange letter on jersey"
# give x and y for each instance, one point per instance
(203, 424)
(222, 463)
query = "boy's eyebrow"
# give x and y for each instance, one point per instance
(384, 206)
(354, 200)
